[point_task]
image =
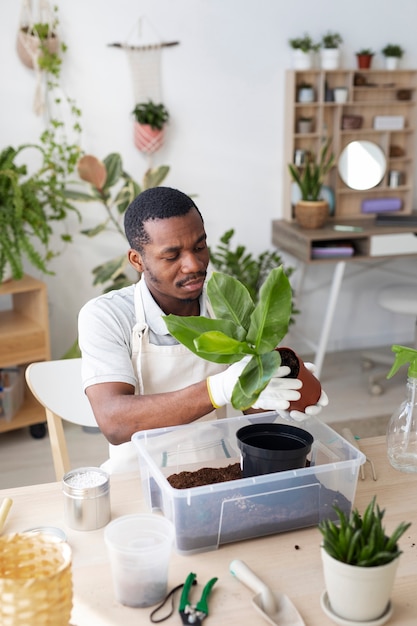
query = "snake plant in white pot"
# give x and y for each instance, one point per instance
(241, 329)
(359, 563)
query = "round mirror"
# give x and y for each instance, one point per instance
(362, 165)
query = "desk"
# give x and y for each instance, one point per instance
(373, 242)
(288, 562)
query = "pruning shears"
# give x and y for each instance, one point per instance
(194, 613)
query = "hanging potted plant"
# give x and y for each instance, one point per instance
(302, 51)
(364, 58)
(311, 211)
(149, 126)
(359, 564)
(38, 44)
(392, 53)
(330, 51)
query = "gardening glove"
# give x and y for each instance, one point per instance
(315, 409)
(220, 386)
(279, 392)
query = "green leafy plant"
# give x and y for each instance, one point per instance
(155, 115)
(365, 52)
(393, 50)
(115, 189)
(310, 177)
(305, 43)
(30, 206)
(331, 40)
(361, 541)
(240, 328)
(238, 262)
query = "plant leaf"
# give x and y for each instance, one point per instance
(113, 163)
(230, 299)
(254, 379)
(270, 318)
(220, 348)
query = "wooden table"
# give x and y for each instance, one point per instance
(287, 562)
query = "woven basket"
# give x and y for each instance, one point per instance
(311, 214)
(35, 581)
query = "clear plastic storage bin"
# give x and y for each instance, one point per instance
(208, 516)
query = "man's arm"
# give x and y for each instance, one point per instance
(120, 413)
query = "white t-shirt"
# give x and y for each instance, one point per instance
(105, 326)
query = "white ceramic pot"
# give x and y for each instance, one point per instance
(391, 63)
(302, 60)
(358, 593)
(305, 94)
(330, 58)
(340, 94)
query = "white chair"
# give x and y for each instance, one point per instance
(57, 386)
(401, 298)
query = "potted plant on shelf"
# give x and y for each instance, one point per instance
(364, 58)
(312, 211)
(330, 51)
(359, 564)
(242, 328)
(302, 50)
(392, 53)
(149, 126)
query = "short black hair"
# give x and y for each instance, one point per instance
(157, 203)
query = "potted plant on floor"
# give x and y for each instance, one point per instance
(302, 51)
(149, 126)
(359, 564)
(242, 328)
(392, 53)
(312, 211)
(364, 58)
(330, 51)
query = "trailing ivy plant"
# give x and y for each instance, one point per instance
(241, 328)
(361, 541)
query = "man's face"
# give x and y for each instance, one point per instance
(175, 261)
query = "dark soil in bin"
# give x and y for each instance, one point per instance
(246, 513)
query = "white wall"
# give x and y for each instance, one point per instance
(223, 86)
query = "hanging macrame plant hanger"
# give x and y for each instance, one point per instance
(29, 45)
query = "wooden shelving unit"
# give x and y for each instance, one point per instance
(379, 94)
(24, 337)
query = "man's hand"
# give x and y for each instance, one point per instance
(314, 409)
(277, 394)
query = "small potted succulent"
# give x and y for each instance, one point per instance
(312, 211)
(243, 328)
(359, 564)
(392, 53)
(364, 58)
(303, 49)
(330, 51)
(149, 126)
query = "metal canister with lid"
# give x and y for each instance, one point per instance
(86, 498)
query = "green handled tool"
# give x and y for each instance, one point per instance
(194, 613)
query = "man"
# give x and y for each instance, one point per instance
(135, 374)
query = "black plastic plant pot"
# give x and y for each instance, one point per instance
(268, 448)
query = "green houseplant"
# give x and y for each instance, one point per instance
(364, 58)
(330, 51)
(359, 561)
(241, 328)
(150, 120)
(39, 44)
(31, 204)
(302, 51)
(311, 211)
(392, 53)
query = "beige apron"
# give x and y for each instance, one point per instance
(159, 368)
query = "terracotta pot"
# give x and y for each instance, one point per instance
(311, 214)
(146, 138)
(28, 46)
(311, 389)
(364, 61)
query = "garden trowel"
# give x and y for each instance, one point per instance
(275, 607)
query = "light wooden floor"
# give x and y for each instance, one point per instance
(25, 461)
